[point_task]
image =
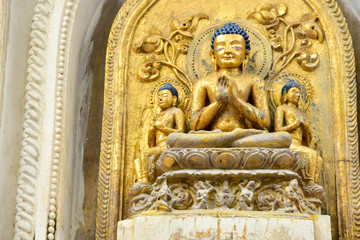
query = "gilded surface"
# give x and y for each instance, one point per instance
(170, 119)
(295, 121)
(169, 47)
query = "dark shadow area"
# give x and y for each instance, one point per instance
(93, 131)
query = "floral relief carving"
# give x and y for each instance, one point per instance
(293, 40)
(164, 51)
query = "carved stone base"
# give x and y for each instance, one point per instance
(211, 224)
(239, 190)
(230, 158)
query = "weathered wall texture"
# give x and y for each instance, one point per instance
(12, 99)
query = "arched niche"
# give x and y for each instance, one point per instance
(333, 106)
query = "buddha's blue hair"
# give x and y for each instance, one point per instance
(171, 88)
(290, 84)
(231, 28)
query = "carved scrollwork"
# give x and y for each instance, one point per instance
(146, 197)
(177, 43)
(303, 31)
(149, 71)
(309, 28)
(182, 196)
(286, 197)
(241, 190)
(269, 197)
(307, 58)
(141, 203)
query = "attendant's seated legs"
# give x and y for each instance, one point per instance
(314, 164)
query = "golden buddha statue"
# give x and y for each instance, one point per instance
(170, 120)
(228, 142)
(230, 102)
(293, 120)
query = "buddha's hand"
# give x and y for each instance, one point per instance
(159, 125)
(222, 88)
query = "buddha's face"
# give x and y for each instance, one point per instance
(293, 95)
(229, 51)
(166, 99)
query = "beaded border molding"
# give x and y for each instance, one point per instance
(34, 105)
(63, 46)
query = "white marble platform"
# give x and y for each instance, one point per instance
(225, 225)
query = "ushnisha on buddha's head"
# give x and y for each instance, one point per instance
(291, 93)
(230, 47)
(167, 96)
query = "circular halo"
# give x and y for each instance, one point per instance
(183, 99)
(277, 84)
(198, 62)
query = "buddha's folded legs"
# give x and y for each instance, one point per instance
(265, 140)
(236, 138)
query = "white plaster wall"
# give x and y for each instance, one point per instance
(78, 95)
(4, 23)
(44, 186)
(21, 13)
(77, 89)
(79, 86)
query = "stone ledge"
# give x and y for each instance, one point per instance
(212, 224)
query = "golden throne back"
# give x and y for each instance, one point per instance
(153, 42)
